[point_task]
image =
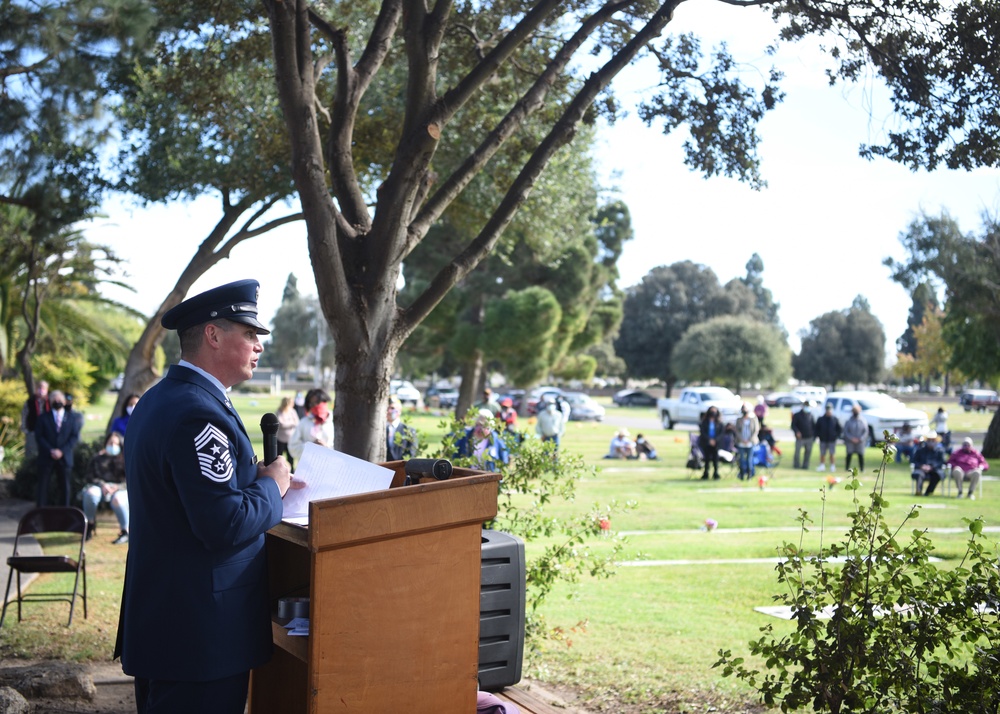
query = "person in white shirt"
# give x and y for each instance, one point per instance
(549, 423)
(316, 426)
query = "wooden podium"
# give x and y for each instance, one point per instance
(393, 584)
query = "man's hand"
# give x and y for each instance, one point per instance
(279, 471)
(56, 454)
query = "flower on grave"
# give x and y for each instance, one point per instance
(711, 524)
(605, 524)
(833, 480)
(762, 480)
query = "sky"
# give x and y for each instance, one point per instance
(823, 226)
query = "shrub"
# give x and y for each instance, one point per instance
(902, 634)
(13, 396)
(68, 374)
(535, 477)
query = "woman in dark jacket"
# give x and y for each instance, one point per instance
(708, 440)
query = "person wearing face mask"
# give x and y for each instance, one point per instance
(316, 427)
(120, 423)
(106, 476)
(57, 433)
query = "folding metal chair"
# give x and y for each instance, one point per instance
(55, 520)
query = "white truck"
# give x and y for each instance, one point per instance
(693, 402)
(881, 412)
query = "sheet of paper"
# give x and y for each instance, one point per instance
(330, 474)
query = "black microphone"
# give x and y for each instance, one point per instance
(269, 425)
(417, 469)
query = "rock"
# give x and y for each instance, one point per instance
(56, 680)
(11, 702)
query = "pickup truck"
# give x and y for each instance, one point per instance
(694, 401)
(881, 412)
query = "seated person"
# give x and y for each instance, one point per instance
(643, 449)
(106, 476)
(905, 446)
(967, 464)
(622, 446)
(727, 444)
(766, 434)
(927, 464)
(482, 444)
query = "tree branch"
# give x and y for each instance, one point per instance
(560, 134)
(290, 33)
(529, 103)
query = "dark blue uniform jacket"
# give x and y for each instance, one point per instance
(195, 605)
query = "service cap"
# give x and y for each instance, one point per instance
(232, 301)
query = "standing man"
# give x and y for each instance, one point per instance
(804, 426)
(489, 403)
(747, 427)
(828, 430)
(195, 611)
(855, 438)
(37, 404)
(549, 423)
(400, 439)
(57, 433)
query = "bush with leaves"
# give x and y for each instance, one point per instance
(536, 477)
(878, 626)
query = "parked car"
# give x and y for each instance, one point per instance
(634, 398)
(882, 412)
(583, 407)
(782, 399)
(979, 399)
(539, 394)
(405, 392)
(447, 398)
(808, 393)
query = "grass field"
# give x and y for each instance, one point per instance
(650, 634)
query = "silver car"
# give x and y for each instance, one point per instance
(583, 408)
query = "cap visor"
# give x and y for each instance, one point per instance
(252, 321)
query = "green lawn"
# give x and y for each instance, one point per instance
(652, 630)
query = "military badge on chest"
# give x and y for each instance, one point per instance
(213, 454)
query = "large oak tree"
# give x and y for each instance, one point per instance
(937, 61)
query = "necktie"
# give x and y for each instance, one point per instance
(58, 421)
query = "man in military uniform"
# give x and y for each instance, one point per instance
(195, 612)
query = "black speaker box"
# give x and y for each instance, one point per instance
(501, 611)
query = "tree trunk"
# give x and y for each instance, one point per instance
(362, 393)
(472, 371)
(991, 444)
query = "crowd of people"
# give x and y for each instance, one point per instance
(52, 431)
